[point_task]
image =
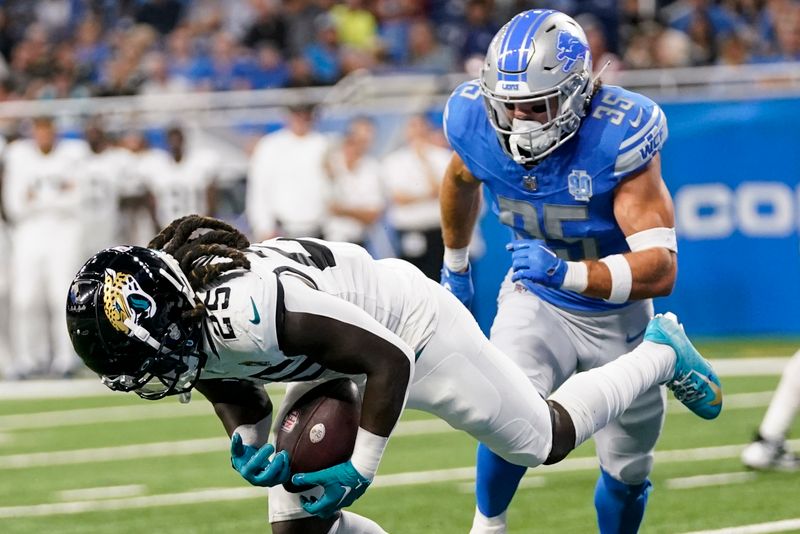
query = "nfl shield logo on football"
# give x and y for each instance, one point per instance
(580, 185)
(290, 421)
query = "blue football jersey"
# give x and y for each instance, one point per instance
(567, 198)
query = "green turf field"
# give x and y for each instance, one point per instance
(163, 467)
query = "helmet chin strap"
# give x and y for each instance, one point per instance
(141, 333)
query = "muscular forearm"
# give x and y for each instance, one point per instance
(460, 203)
(237, 403)
(384, 397)
(653, 274)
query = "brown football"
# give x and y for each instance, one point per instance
(319, 430)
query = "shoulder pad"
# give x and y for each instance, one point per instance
(461, 113)
(646, 132)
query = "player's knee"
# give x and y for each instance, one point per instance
(630, 470)
(563, 433)
(308, 525)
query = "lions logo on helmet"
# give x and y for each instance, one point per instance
(570, 49)
(124, 302)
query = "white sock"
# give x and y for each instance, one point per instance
(488, 525)
(350, 523)
(598, 396)
(784, 404)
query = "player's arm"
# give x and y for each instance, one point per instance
(644, 212)
(246, 413)
(460, 201)
(241, 405)
(342, 337)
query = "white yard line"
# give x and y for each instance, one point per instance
(171, 448)
(785, 525)
(91, 387)
(108, 492)
(381, 481)
(200, 408)
(717, 479)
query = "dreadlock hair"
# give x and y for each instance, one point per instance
(192, 237)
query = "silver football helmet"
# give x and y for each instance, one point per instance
(539, 59)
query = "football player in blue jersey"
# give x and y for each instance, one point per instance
(572, 166)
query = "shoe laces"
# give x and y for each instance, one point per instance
(687, 390)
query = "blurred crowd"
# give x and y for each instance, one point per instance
(76, 48)
(63, 198)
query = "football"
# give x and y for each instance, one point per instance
(319, 430)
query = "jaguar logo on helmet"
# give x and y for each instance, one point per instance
(569, 49)
(124, 302)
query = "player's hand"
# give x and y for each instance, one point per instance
(534, 263)
(343, 484)
(459, 284)
(255, 466)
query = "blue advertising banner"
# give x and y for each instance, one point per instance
(733, 169)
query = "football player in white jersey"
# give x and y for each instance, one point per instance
(102, 177)
(203, 309)
(42, 200)
(181, 179)
(768, 450)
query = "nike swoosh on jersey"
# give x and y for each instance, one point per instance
(256, 317)
(635, 123)
(631, 339)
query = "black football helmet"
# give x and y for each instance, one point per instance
(124, 318)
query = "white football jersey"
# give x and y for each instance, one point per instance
(38, 184)
(179, 187)
(102, 178)
(245, 307)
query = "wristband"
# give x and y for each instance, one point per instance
(456, 259)
(577, 277)
(367, 452)
(257, 434)
(621, 278)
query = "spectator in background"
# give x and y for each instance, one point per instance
(702, 39)
(181, 54)
(90, 49)
(41, 199)
(356, 26)
(158, 80)
(287, 188)
(413, 174)
(478, 30)
(395, 19)
(181, 180)
(425, 52)
(602, 58)
(268, 27)
(300, 17)
(356, 199)
(323, 55)
(226, 69)
(269, 69)
(163, 15)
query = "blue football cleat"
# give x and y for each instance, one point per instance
(694, 383)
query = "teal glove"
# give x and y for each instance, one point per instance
(254, 464)
(342, 484)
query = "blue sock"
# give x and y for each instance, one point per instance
(496, 481)
(620, 507)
